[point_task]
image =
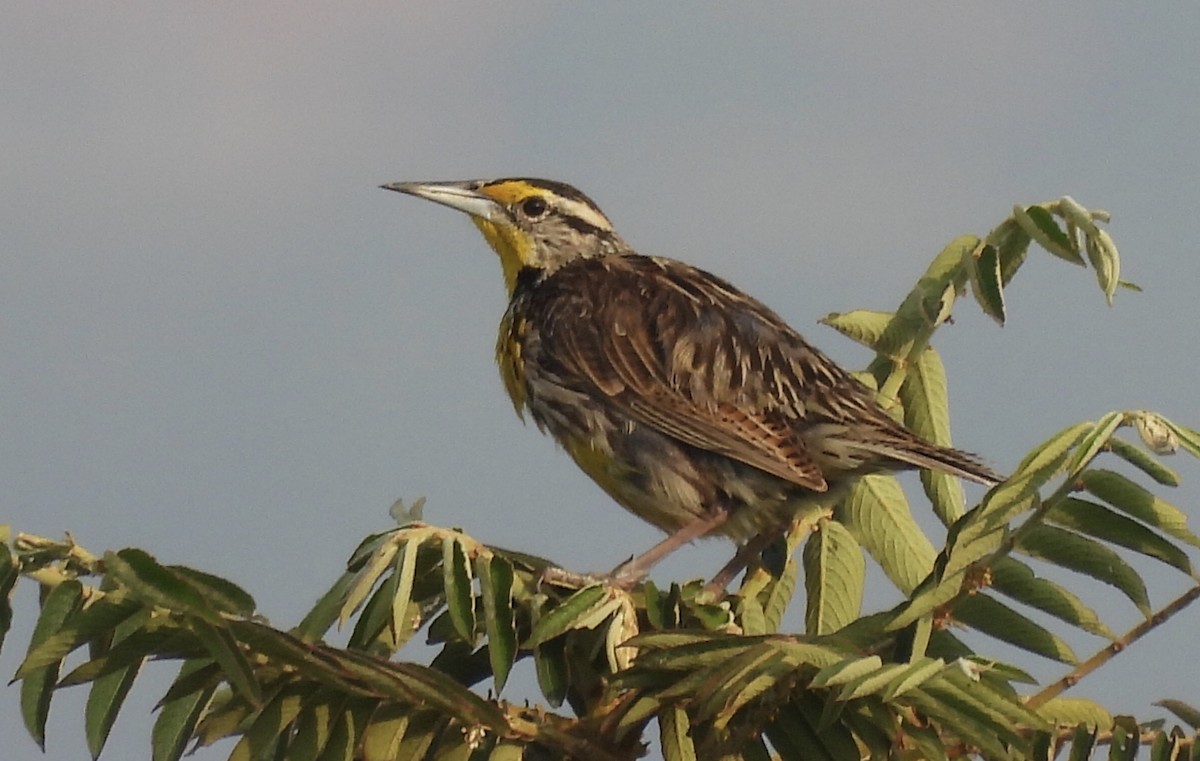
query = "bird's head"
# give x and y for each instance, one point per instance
(531, 224)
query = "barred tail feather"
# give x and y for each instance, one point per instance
(921, 454)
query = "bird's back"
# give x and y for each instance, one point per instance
(658, 343)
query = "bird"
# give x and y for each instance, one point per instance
(692, 404)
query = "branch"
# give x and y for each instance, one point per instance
(1105, 654)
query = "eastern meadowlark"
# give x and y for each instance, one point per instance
(690, 403)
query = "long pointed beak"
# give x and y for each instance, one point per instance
(462, 196)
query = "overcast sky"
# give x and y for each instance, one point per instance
(222, 343)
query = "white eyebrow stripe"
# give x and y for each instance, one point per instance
(585, 212)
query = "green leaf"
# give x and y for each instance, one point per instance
(642, 710)
(688, 652)
(777, 596)
(207, 675)
(873, 683)
(673, 643)
(1189, 439)
(315, 724)
(163, 642)
(383, 735)
(456, 579)
(1016, 495)
(222, 594)
(507, 751)
(1012, 246)
(1039, 223)
(423, 729)
(988, 615)
(731, 686)
(974, 705)
(108, 695)
(929, 303)
(580, 606)
(1096, 441)
(373, 630)
(834, 575)
(99, 618)
(314, 661)
(846, 671)
(37, 687)
(926, 738)
(1069, 712)
(987, 282)
(862, 325)
(366, 579)
(1082, 555)
(913, 676)
(495, 587)
(405, 570)
(794, 734)
(754, 749)
(347, 730)
(877, 515)
(950, 713)
(1144, 461)
(1082, 743)
(659, 613)
(1185, 712)
(179, 716)
(1047, 458)
(925, 399)
(8, 580)
(947, 265)
(1015, 580)
(873, 726)
(1164, 747)
(326, 610)
(998, 698)
(553, 671)
(1137, 502)
(156, 584)
(1101, 523)
(272, 722)
(1126, 738)
(430, 688)
(675, 735)
(749, 614)
(224, 650)
(945, 583)
(1102, 253)
(226, 715)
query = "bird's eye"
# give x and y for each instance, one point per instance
(533, 207)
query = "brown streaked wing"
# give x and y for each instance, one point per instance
(650, 342)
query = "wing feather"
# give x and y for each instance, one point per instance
(680, 351)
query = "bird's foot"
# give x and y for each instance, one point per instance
(625, 576)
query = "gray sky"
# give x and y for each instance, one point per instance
(223, 344)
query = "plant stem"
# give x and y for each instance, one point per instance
(1105, 654)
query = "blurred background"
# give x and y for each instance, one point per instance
(220, 342)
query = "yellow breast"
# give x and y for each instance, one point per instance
(510, 361)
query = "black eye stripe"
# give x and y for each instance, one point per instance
(578, 225)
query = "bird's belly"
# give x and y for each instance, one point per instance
(666, 482)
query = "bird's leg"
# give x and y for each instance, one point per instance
(632, 571)
(744, 556)
(635, 569)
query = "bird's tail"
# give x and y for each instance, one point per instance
(912, 450)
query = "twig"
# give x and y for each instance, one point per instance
(1105, 654)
